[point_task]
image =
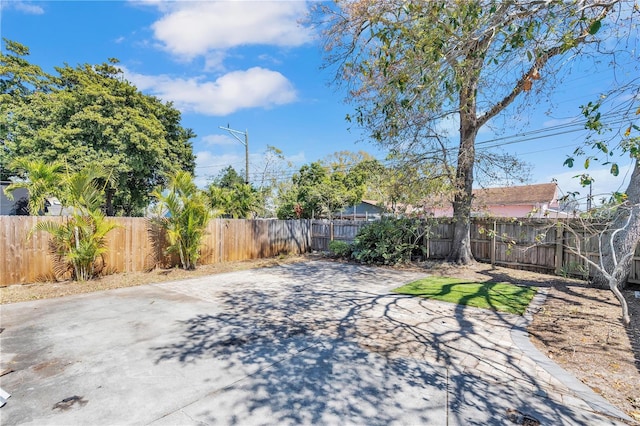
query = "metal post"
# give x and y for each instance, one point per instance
(246, 155)
(235, 134)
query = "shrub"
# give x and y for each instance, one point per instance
(390, 241)
(187, 218)
(340, 249)
(78, 244)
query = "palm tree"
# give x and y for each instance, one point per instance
(79, 243)
(82, 189)
(42, 180)
(187, 217)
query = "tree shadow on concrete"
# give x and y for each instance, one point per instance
(325, 342)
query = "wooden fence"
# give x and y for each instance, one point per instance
(534, 245)
(531, 245)
(133, 246)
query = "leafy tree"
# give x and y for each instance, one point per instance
(315, 192)
(344, 161)
(91, 115)
(18, 78)
(187, 217)
(272, 165)
(405, 184)
(228, 178)
(411, 65)
(232, 197)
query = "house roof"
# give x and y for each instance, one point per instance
(515, 195)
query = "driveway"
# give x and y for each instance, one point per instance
(307, 343)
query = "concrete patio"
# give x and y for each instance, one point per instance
(308, 343)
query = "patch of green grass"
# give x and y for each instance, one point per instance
(502, 297)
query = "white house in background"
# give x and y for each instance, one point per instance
(365, 210)
(533, 201)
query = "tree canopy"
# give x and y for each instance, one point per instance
(91, 115)
(410, 65)
(316, 191)
(230, 196)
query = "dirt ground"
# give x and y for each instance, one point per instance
(579, 327)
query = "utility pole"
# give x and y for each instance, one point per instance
(244, 142)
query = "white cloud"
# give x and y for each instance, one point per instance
(23, 6)
(213, 61)
(219, 140)
(254, 88)
(190, 29)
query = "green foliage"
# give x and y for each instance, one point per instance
(502, 297)
(406, 182)
(91, 115)
(340, 248)
(186, 218)
(79, 242)
(574, 269)
(390, 241)
(628, 135)
(228, 178)
(626, 141)
(230, 196)
(317, 191)
(409, 66)
(42, 180)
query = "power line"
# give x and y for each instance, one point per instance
(573, 126)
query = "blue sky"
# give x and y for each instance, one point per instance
(254, 67)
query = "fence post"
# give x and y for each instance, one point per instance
(428, 245)
(493, 243)
(331, 231)
(559, 247)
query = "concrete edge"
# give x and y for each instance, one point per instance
(520, 337)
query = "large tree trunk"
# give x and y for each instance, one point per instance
(461, 245)
(625, 240)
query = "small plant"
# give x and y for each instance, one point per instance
(574, 269)
(340, 249)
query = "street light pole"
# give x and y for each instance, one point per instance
(235, 134)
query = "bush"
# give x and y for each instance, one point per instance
(340, 249)
(390, 241)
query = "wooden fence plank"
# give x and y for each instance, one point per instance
(132, 247)
(539, 245)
